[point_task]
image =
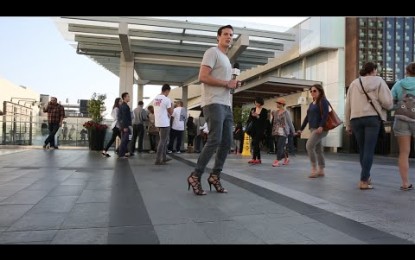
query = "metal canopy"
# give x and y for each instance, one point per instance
(167, 51)
(270, 87)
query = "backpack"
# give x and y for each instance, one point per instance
(405, 108)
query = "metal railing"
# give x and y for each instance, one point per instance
(33, 130)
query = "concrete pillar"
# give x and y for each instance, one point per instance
(303, 68)
(140, 92)
(126, 76)
(185, 91)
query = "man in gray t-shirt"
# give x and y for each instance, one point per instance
(216, 77)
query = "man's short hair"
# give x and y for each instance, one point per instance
(165, 87)
(224, 27)
(140, 103)
(123, 95)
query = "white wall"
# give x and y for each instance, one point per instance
(321, 45)
(9, 90)
(321, 32)
(327, 67)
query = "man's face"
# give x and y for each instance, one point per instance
(53, 100)
(226, 38)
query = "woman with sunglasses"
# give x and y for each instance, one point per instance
(316, 118)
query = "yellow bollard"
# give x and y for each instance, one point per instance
(247, 145)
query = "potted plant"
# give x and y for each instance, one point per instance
(96, 130)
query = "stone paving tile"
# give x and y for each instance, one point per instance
(55, 204)
(144, 234)
(187, 233)
(46, 185)
(67, 190)
(11, 213)
(99, 184)
(6, 190)
(74, 181)
(88, 196)
(25, 197)
(178, 216)
(29, 237)
(10, 177)
(272, 229)
(323, 234)
(25, 180)
(81, 236)
(87, 215)
(402, 230)
(80, 175)
(38, 221)
(229, 232)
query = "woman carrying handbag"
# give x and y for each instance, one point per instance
(367, 99)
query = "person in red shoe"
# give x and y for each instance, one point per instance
(282, 125)
(259, 116)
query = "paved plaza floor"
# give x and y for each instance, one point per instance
(71, 196)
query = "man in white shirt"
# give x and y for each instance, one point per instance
(162, 113)
(177, 128)
(140, 115)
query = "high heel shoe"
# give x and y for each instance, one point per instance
(215, 181)
(194, 182)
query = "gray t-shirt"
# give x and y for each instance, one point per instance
(221, 69)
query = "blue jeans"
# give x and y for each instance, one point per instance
(291, 146)
(280, 147)
(124, 142)
(366, 130)
(138, 131)
(219, 119)
(53, 128)
(175, 135)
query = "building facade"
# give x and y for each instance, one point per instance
(387, 41)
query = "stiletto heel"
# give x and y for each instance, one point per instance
(215, 181)
(194, 182)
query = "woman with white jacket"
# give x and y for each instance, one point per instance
(362, 118)
(115, 126)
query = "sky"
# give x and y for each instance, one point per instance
(34, 54)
